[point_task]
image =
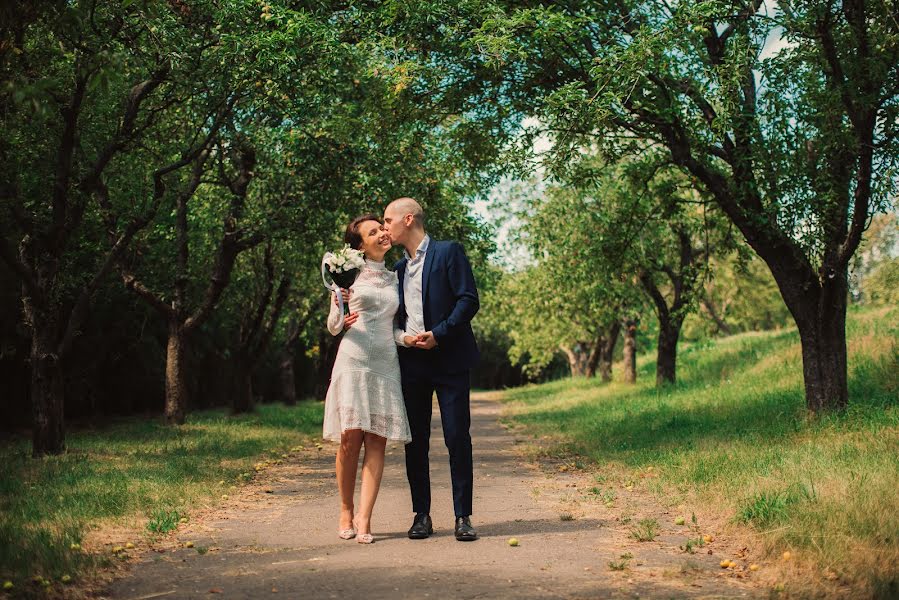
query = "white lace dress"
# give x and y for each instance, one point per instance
(365, 391)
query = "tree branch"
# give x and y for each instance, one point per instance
(233, 242)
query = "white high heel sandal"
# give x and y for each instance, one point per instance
(364, 538)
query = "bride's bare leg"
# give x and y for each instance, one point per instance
(372, 470)
(347, 463)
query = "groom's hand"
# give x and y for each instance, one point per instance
(425, 340)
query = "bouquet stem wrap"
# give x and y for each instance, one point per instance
(331, 286)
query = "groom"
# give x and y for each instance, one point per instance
(438, 299)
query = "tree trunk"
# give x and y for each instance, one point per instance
(630, 351)
(666, 361)
(822, 332)
(176, 395)
(48, 433)
(595, 355)
(607, 350)
(242, 390)
(578, 360)
(288, 379)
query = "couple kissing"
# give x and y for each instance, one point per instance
(408, 336)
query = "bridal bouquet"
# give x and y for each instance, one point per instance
(343, 267)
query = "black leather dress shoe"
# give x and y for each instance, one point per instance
(421, 527)
(464, 531)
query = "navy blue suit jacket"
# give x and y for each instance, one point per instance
(450, 301)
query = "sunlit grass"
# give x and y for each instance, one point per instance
(135, 473)
(733, 439)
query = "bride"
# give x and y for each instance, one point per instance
(364, 404)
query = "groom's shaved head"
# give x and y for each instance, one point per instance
(408, 206)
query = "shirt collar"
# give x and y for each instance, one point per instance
(422, 248)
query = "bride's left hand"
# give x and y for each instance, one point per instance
(346, 296)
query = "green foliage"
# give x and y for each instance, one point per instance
(645, 530)
(739, 295)
(692, 544)
(880, 245)
(163, 520)
(883, 284)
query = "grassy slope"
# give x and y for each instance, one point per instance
(134, 474)
(733, 439)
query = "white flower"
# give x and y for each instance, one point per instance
(345, 259)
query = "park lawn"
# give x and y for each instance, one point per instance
(136, 474)
(733, 442)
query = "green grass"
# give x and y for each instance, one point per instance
(136, 474)
(733, 440)
(646, 530)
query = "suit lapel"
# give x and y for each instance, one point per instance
(426, 275)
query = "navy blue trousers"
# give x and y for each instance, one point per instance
(453, 397)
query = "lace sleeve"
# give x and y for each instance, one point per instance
(398, 334)
(334, 316)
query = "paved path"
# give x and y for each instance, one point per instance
(277, 538)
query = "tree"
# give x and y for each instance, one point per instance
(795, 146)
(574, 298)
(739, 295)
(634, 224)
(109, 88)
(256, 331)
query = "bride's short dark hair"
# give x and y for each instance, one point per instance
(352, 235)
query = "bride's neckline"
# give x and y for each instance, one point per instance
(375, 265)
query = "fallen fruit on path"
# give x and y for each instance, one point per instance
(188, 544)
(66, 578)
(680, 521)
(7, 585)
(724, 564)
(129, 545)
(513, 541)
(117, 549)
(75, 547)
(753, 567)
(787, 555)
(707, 538)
